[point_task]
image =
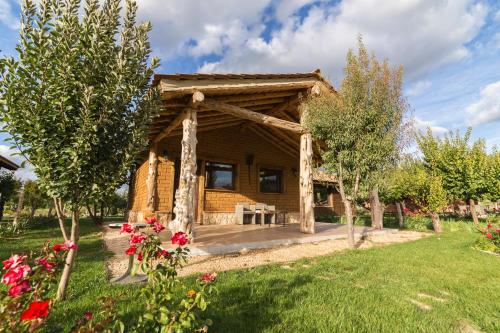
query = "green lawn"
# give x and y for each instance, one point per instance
(352, 291)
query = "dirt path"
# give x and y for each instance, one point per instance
(117, 264)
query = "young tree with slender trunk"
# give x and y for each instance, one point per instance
(8, 186)
(360, 125)
(77, 99)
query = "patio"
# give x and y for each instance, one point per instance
(223, 239)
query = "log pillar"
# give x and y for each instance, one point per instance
(306, 184)
(184, 196)
(151, 179)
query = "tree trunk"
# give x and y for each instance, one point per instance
(70, 259)
(376, 209)
(19, 209)
(436, 223)
(101, 216)
(473, 212)
(2, 207)
(32, 212)
(401, 218)
(347, 209)
(151, 179)
(60, 217)
(185, 194)
(49, 213)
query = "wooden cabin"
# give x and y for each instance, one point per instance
(5, 163)
(224, 139)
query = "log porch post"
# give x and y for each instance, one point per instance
(306, 172)
(184, 208)
(151, 179)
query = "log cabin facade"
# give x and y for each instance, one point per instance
(224, 139)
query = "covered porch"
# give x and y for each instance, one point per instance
(215, 140)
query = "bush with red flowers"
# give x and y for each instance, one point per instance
(489, 240)
(28, 281)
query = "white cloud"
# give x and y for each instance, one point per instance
(419, 88)
(22, 173)
(7, 16)
(422, 125)
(413, 33)
(487, 108)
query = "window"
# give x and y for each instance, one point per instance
(270, 181)
(320, 195)
(220, 176)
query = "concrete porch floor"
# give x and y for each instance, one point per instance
(222, 239)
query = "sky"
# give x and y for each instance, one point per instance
(450, 50)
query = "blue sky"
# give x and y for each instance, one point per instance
(450, 49)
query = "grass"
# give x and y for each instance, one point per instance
(351, 291)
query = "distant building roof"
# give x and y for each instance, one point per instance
(8, 164)
(320, 176)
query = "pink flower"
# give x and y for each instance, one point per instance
(157, 227)
(36, 310)
(498, 230)
(13, 261)
(69, 245)
(131, 250)
(19, 289)
(88, 315)
(126, 228)
(180, 238)
(47, 266)
(16, 274)
(151, 220)
(137, 238)
(490, 236)
(208, 277)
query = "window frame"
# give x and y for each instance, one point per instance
(272, 168)
(328, 195)
(233, 178)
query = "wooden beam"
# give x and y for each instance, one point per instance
(213, 127)
(185, 194)
(196, 99)
(274, 141)
(253, 116)
(151, 179)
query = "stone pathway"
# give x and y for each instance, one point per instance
(117, 264)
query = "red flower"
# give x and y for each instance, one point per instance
(139, 256)
(163, 253)
(47, 266)
(208, 277)
(88, 315)
(180, 238)
(151, 220)
(131, 250)
(57, 248)
(16, 274)
(157, 227)
(126, 228)
(19, 288)
(490, 225)
(69, 245)
(490, 236)
(13, 261)
(37, 309)
(137, 239)
(498, 230)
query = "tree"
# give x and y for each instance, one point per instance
(395, 187)
(463, 167)
(360, 125)
(8, 187)
(77, 101)
(34, 197)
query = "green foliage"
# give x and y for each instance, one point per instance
(362, 124)
(466, 170)
(77, 101)
(8, 187)
(34, 197)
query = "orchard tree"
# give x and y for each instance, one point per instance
(396, 186)
(360, 125)
(8, 187)
(34, 197)
(77, 99)
(462, 166)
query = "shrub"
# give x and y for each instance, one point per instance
(28, 281)
(489, 240)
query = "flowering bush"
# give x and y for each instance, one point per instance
(489, 240)
(169, 304)
(28, 281)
